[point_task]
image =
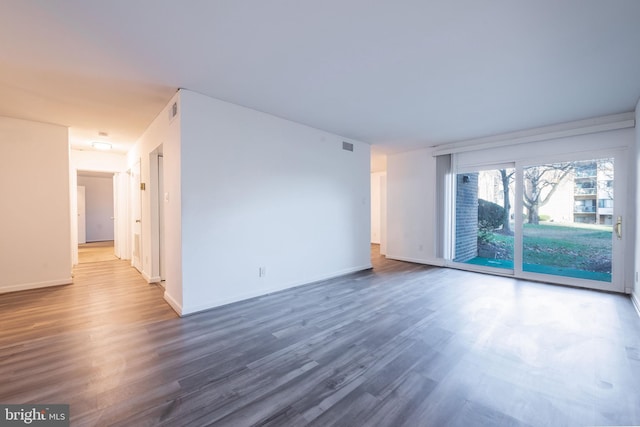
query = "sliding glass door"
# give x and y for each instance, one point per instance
(555, 221)
(571, 227)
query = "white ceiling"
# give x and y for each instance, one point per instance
(395, 73)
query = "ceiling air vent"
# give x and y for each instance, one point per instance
(347, 146)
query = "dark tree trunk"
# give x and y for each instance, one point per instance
(506, 227)
(533, 217)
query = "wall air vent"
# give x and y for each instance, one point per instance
(173, 111)
(347, 146)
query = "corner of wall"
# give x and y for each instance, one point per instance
(149, 278)
(636, 250)
(177, 307)
(163, 131)
(411, 214)
(258, 190)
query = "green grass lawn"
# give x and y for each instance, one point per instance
(581, 246)
(576, 250)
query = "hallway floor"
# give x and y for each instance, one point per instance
(96, 252)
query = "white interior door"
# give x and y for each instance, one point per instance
(116, 227)
(82, 218)
(136, 217)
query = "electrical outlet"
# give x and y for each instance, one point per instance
(262, 271)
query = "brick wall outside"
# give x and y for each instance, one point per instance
(466, 217)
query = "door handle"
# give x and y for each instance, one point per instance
(137, 221)
(619, 227)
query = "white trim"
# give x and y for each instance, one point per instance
(574, 282)
(263, 292)
(636, 302)
(480, 268)
(173, 303)
(438, 262)
(36, 285)
(151, 279)
(581, 127)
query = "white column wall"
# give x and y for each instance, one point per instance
(260, 191)
(35, 247)
(411, 207)
(636, 176)
(165, 131)
(375, 208)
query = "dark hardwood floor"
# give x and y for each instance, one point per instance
(402, 344)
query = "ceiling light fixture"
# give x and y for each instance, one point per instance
(98, 145)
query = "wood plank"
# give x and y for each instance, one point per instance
(402, 344)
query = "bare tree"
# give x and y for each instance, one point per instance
(540, 183)
(605, 178)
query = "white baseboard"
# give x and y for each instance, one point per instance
(636, 302)
(427, 261)
(151, 279)
(173, 303)
(36, 285)
(266, 291)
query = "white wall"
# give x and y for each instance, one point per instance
(636, 176)
(379, 209)
(165, 131)
(259, 191)
(98, 161)
(411, 207)
(378, 160)
(98, 207)
(35, 242)
(383, 214)
(375, 208)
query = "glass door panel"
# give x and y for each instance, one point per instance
(483, 218)
(568, 219)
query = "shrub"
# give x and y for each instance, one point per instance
(544, 217)
(490, 215)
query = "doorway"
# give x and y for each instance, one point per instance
(96, 203)
(136, 211)
(555, 221)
